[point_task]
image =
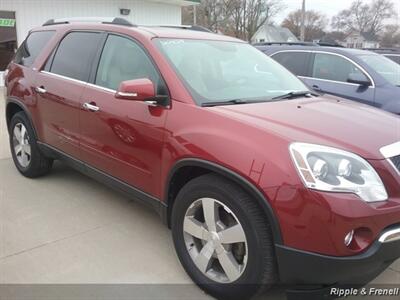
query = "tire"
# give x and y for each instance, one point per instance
(255, 267)
(26, 155)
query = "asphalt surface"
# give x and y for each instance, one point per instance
(66, 228)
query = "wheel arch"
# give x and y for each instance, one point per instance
(186, 169)
(14, 106)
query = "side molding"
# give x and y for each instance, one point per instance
(244, 183)
(129, 191)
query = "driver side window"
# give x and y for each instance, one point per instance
(333, 67)
(122, 59)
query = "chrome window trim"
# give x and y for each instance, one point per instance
(391, 150)
(390, 236)
(102, 88)
(334, 54)
(387, 54)
(334, 81)
(64, 77)
(79, 81)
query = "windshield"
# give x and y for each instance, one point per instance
(384, 66)
(225, 71)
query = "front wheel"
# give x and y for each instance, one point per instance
(222, 238)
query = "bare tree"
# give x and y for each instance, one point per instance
(391, 36)
(257, 13)
(212, 14)
(240, 18)
(363, 17)
(247, 16)
(315, 23)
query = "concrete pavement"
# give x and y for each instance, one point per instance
(67, 228)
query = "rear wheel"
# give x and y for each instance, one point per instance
(222, 238)
(27, 157)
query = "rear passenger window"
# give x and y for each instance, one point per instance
(32, 46)
(333, 67)
(296, 62)
(75, 55)
(121, 60)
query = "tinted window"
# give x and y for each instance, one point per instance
(333, 67)
(32, 47)
(75, 55)
(121, 60)
(296, 62)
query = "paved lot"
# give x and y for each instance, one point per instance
(67, 228)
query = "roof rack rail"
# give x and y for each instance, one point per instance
(383, 49)
(111, 21)
(285, 44)
(186, 27)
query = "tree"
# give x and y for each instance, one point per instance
(256, 13)
(212, 14)
(334, 37)
(315, 23)
(391, 36)
(363, 17)
(240, 18)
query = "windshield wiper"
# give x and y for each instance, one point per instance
(290, 95)
(295, 94)
(229, 102)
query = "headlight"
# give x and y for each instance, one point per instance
(333, 170)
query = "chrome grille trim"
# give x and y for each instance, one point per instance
(390, 151)
(395, 162)
(390, 236)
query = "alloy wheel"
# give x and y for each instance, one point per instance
(21, 146)
(215, 240)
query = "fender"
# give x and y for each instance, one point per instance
(244, 183)
(18, 102)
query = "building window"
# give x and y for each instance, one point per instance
(8, 38)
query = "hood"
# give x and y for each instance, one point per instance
(325, 120)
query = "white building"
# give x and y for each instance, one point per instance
(361, 40)
(270, 33)
(17, 17)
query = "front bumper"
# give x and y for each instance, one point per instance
(299, 268)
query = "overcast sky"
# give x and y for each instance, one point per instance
(328, 7)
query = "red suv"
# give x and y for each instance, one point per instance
(261, 180)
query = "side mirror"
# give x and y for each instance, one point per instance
(136, 90)
(359, 78)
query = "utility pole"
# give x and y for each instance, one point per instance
(303, 22)
(194, 14)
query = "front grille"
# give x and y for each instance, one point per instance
(396, 162)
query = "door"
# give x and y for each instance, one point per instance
(330, 74)
(59, 88)
(123, 138)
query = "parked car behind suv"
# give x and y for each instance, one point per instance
(391, 53)
(260, 180)
(357, 75)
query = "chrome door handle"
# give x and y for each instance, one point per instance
(40, 90)
(90, 107)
